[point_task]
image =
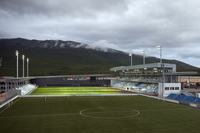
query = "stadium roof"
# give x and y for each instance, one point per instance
(59, 76)
(189, 73)
(145, 66)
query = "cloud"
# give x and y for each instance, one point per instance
(121, 24)
(104, 44)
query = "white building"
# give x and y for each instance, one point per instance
(164, 89)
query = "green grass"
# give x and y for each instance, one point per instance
(110, 114)
(75, 90)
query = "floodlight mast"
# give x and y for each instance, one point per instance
(23, 57)
(160, 48)
(17, 64)
(163, 71)
(143, 52)
(27, 60)
(131, 59)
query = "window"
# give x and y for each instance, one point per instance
(171, 88)
(176, 88)
(166, 88)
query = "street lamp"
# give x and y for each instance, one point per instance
(27, 60)
(131, 59)
(23, 57)
(17, 63)
(143, 52)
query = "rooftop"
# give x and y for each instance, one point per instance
(145, 66)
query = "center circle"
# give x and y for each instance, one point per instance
(109, 113)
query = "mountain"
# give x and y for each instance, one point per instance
(57, 57)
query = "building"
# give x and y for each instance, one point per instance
(155, 79)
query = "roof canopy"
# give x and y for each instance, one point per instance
(145, 66)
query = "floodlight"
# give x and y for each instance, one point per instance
(23, 65)
(160, 47)
(130, 54)
(23, 57)
(17, 63)
(143, 52)
(27, 60)
(17, 53)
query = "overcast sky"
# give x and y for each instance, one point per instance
(128, 25)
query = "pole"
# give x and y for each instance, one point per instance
(17, 64)
(27, 67)
(162, 70)
(143, 52)
(160, 48)
(163, 79)
(131, 59)
(23, 65)
(160, 54)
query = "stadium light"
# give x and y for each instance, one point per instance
(17, 64)
(131, 59)
(163, 70)
(143, 52)
(27, 61)
(23, 57)
(160, 48)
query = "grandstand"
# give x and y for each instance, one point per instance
(185, 98)
(11, 87)
(159, 79)
(26, 89)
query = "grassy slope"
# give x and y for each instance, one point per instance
(74, 90)
(61, 114)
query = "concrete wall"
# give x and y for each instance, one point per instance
(164, 89)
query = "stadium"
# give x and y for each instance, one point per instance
(99, 66)
(137, 98)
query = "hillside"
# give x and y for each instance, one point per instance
(56, 57)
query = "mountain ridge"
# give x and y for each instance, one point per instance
(62, 44)
(57, 57)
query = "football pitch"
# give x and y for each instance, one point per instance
(76, 91)
(98, 114)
